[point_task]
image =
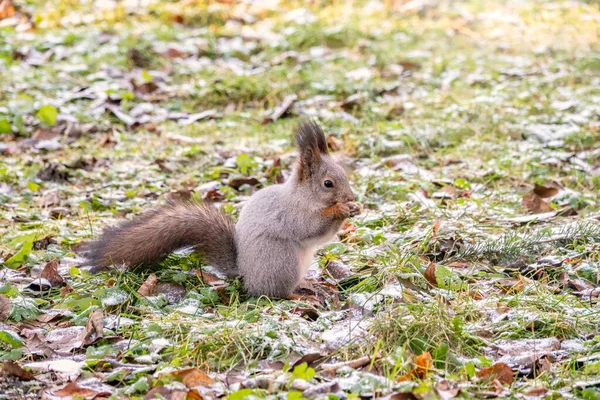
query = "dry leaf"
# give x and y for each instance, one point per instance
(192, 377)
(423, 364)
(499, 371)
(65, 291)
(148, 286)
(534, 203)
(72, 389)
(536, 391)
(50, 273)
(206, 277)
(545, 192)
(94, 329)
(430, 274)
(11, 368)
(5, 307)
(7, 9)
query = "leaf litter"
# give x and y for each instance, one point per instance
(473, 270)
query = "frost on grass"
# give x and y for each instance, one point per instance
(476, 160)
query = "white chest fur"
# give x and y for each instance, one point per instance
(307, 254)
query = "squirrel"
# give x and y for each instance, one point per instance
(278, 229)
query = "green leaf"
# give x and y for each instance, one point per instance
(24, 309)
(5, 126)
(295, 396)
(302, 371)
(446, 279)
(11, 339)
(47, 114)
(245, 163)
(34, 187)
(18, 259)
(470, 369)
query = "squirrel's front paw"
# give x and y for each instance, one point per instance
(353, 209)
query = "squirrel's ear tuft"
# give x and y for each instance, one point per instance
(310, 136)
(311, 143)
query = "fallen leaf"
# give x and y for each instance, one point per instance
(5, 307)
(311, 360)
(536, 391)
(545, 192)
(94, 329)
(148, 286)
(67, 369)
(72, 389)
(7, 9)
(11, 368)
(172, 291)
(65, 291)
(238, 182)
(534, 203)
(430, 274)
(50, 273)
(499, 371)
(192, 377)
(423, 364)
(338, 270)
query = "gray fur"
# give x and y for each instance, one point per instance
(272, 244)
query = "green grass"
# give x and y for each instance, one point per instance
(487, 99)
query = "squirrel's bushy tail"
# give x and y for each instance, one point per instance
(151, 236)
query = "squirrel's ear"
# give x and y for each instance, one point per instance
(311, 143)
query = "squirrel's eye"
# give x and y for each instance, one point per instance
(328, 183)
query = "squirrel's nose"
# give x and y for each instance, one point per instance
(350, 197)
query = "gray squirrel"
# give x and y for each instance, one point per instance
(271, 247)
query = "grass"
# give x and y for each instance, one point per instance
(486, 100)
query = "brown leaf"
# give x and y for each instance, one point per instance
(311, 359)
(65, 291)
(5, 307)
(174, 292)
(534, 203)
(274, 172)
(536, 391)
(148, 286)
(94, 329)
(430, 274)
(7, 9)
(207, 277)
(43, 243)
(11, 368)
(192, 377)
(50, 272)
(499, 371)
(423, 364)
(72, 389)
(238, 182)
(338, 270)
(545, 192)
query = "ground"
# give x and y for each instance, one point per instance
(470, 131)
